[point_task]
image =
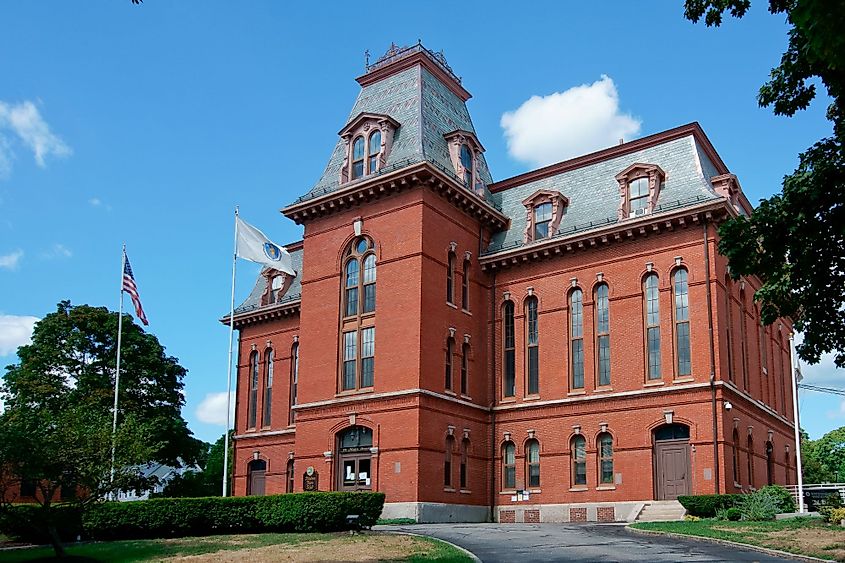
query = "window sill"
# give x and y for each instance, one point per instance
(602, 389)
(685, 379)
(450, 392)
(654, 384)
(448, 490)
(466, 397)
(508, 492)
(578, 489)
(606, 488)
(531, 398)
(466, 311)
(535, 491)
(507, 400)
(349, 392)
(465, 492)
(576, 393)
(452, 305)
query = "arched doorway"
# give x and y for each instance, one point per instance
(770, 463)
(256, 470)
(672, 475)
(354, 459)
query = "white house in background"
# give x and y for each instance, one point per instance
(163, 474)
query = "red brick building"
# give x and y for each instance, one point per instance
(562, 345)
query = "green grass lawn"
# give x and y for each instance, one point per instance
(323, 546)
(803, 536)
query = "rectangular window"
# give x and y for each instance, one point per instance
(652, 320)
(509, 459)
(369, 284)
(368, 353)
(682, 338)
(654, 352)
(578, 363)
(604, 360)
(350, 355)
(352, 301)
(542, 220)
(510, 353)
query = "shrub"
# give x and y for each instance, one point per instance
(299, 512)
(837, 515)
(759, 506)
(733, 514)
(705, 506)
(691, 518)
(28, 523)
(828, 505)
(785, 500)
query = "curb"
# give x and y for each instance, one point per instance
(766, 550)
(466, 552)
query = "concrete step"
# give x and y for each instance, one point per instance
(662, 511)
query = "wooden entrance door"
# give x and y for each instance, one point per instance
(257, 472)
(672, 469)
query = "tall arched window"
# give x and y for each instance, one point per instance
(763, 342)
(509, 466)
(770, 463)
(465, 286)
(268, 388)
(294, 380)
(447, 462)
(578, 453)
(450, 278)
(735, 460)
(729, 328)
(743, 337)
(465, 369)
(750, 462)
(605, 447)
(787, 468)
(291, 479)
(466, 163)
(785, 370)
(509, 367)
(464, 460)
(373, 153)
(651, 297)
(252, 409)
(603, 333)
(576, 338)
(532, 345)
(532, 463)
(450, 353)
(682, 340)
(358, 157)
(358, 331)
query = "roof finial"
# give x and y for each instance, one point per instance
(366, 59)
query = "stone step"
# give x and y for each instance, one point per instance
(661, 511)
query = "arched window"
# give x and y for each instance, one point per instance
(268, 388)
(542, 220)
(533, 345)
(763, 338)
(743, 336)
(737, 476)
(532, 463)
(770, 463)
(578, 448)
(450, 278)
(465, 286)
(605, 447)
(294, 380)
(750, 462)
(509, 466)
(373, 154)
(357, 324)
(450, 352)
(466, 163)
(651, 297)
(602, 306)
(252, 410)
(576, 338)
(256, 471)
(682, 339)
(447, 462)
(509, 350)
(291, 479)
(355, 459)
(357, 157)
(785, 371)
(729, 328)
(637, 195)
(465, 369)
(464, 460)
(787, 468)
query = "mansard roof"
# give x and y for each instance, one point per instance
(414, 87)
(590, 184)
(293, 294)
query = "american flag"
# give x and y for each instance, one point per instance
(130, 288)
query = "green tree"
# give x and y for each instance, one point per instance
(813, 470)
(829, 450)
(57, 423)
(208, 482)
(795, 240)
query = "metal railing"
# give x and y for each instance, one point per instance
(395, 53)
(839, 487)
(256, 306)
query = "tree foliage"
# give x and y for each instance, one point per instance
(823, 460)
(205, 483)
(795, 240)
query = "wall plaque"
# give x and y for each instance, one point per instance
(310, 480)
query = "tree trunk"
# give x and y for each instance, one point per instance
(58, 547)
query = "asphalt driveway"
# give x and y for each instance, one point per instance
(524, 543)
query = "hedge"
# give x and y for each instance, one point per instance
(28, 523)
(705, 506)
(177, 517)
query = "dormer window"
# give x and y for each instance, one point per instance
(369, 138)
(465, 153)
(639, 188)
(544, 212)
(466, 163)
(276, 286)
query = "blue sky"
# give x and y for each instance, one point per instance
(148, 124)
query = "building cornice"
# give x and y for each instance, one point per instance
(617, 231)
(693, 129)
(371, 188)
(265, 313)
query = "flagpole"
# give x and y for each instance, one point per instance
(117, 369)
(229, 375)
(796, 373)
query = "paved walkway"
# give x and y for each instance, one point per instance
(524, 543)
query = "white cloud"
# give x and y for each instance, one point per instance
(95, 201)
(212, 409)
(11, 261)
(15, 331)
(25, 121)
(562, 125)
(57, 251)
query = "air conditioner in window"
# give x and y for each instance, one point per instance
(638, 212)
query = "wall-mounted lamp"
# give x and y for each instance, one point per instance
(728, 405)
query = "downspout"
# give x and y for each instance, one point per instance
(493, 399)
(712, 363)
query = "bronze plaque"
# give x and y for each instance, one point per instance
(311, 482)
